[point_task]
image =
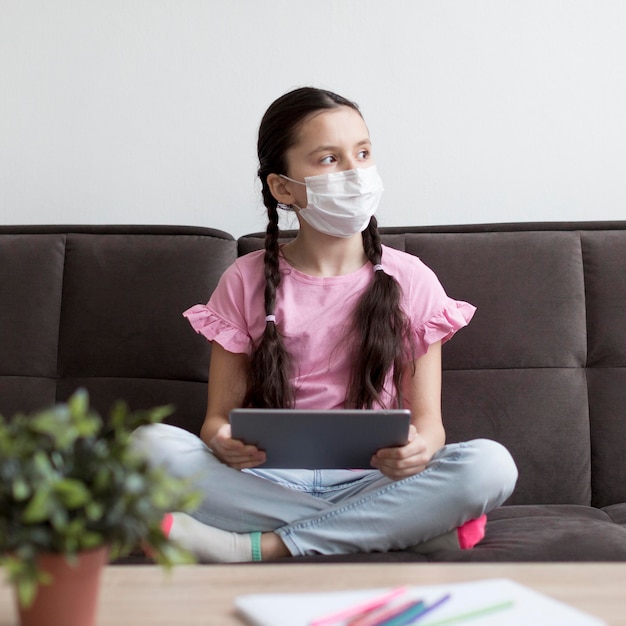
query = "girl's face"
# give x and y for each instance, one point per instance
(332, 140)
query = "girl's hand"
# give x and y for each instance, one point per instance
(234, 452)
(403, 461)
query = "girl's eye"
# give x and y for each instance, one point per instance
(364, 155)
(327, 160)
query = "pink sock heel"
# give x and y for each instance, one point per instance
(166, 524)
(471, 532)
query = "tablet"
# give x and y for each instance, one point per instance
(309, 439)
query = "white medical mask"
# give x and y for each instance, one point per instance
(341, 203)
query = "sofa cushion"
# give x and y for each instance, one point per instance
(605, 285)
(546, 533)
(516, 374)
(122, 331)
(604, 253)
(529, 292)
(112, 299)
(540, 415)
(617, 512)
(31, 278)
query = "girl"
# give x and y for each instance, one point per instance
(331, 319)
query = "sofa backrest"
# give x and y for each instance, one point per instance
(542, 366)
(101, 307)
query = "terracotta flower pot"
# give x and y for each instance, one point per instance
(72, 597)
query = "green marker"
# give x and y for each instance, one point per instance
(461, 617)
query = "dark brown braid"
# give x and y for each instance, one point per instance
(381, 332)
(270, 365)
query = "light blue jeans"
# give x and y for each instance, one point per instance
(338, 511)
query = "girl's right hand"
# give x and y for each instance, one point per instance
(234, 452)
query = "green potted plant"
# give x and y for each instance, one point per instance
(74, 494)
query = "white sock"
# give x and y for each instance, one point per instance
(209, 544)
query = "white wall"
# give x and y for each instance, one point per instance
(146, 111)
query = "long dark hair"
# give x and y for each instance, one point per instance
(380, 329)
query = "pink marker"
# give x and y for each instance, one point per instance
(387, 614)
(358, 609)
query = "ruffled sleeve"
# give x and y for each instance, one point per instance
(210, 325)
(432, 314)
(454, 315)
(226, 318)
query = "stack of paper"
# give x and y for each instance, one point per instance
(469, 603)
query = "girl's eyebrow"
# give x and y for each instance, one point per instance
(330, 148)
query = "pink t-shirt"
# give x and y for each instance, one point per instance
(314, 314)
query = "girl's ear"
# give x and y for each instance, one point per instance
(279, 189)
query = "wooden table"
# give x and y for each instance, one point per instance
(203, 595)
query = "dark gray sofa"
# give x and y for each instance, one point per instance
(541, 368)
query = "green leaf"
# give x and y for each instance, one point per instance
(24, 574)
(21, 489)
(159, 413)
(89, 425)
(38, 508)
(42, 466)
(57, 460)
(72, 492)
(55, 424)
(58, 517)
(26, 591)
(94, 511)
(75, 528)
(90, 539)
(79, 402)
(70, 545)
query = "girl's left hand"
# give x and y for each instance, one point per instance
(403, 461)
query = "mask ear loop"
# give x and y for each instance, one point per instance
(282, 205)
(292, 180)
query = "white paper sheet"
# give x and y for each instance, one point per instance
(529, 607)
